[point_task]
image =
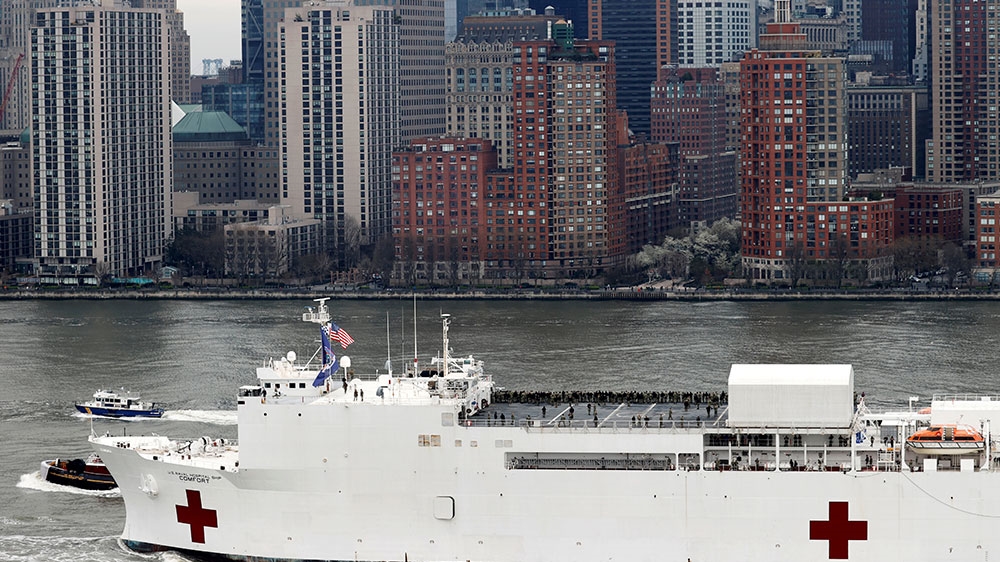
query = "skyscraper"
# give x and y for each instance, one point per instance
(101, 139)
(340, 104)
(421, 70)
(964, 93)
(180, 47)
(421, 55)
(794, 157)
(644, 35)
(480, 77)
(271, 13)
(15, 20)
(252, 15)
(711, 33)
(875, 14)
(689, 108)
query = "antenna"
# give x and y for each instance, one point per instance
(445, 321)
(320, 316)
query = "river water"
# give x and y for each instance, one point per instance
(192, 355)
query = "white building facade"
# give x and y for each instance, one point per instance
(711, 33)
(102, 148)
(340, 89)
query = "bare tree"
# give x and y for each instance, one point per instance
(409, 262)
(351, 243)
(795, 262)
(955, 261)
(454, 263)
(102, 271)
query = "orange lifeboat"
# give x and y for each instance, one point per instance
(947, 439)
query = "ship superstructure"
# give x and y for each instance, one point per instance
(425, 465)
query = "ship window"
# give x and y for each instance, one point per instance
(689, 461)
(267, 385)
(458, 442)
(447, 419)
(424, 440)
(473, 443)
(302, 385)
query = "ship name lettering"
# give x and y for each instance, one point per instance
(193, 478)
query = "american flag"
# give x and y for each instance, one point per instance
(339, 334)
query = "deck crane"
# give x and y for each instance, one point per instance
(10, 85)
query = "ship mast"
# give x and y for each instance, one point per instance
(445, 320)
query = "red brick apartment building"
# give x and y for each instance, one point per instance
(440, 207)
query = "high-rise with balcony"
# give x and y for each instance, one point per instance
(180, 47)
(340, 104)
(100, 84)
(565, 192)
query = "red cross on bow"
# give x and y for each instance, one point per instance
(196, 516)
(838, 530)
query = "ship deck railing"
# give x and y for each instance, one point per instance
(966, 398)
(713, 426)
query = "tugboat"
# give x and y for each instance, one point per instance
(89, 474)
(119, 404)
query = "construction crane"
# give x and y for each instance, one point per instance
(10, 85)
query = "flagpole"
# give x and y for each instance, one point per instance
(416, 369)
(388, 345)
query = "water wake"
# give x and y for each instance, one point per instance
(217, 417)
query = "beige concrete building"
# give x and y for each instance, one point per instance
(102, 147)
(270, 248)
(180, 47)
(341, 94)
(193, 214)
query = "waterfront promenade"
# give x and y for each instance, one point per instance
(618, 293)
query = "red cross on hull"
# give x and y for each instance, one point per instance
(195, 515)
(839, 530)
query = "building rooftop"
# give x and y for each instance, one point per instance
(201, 126)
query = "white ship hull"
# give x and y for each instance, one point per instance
(346, 491)
(415, 468)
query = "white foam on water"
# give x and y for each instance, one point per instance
(217, 417)
(34, 481)
(25, 548)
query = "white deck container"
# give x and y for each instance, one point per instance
(806, 396)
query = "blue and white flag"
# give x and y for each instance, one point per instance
(330, 362)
